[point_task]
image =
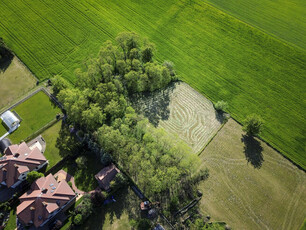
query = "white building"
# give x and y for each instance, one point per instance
(10, 120)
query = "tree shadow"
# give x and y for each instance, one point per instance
(126, 201)
(253, 151)
(220, 116)
(154, 105)
(6, 60)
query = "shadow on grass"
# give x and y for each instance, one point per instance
(154, 105)
(6, 61)
(253, 151)
(126, 202)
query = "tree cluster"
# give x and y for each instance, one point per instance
(99, 105)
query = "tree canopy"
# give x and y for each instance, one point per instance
(33, 176)
(100, 106)
(253, 125)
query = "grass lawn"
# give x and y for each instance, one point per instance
(115, 216)
(11, 225)
(36, 112)
(215, 53)
(85, 178)
(52, 152)
(284, 19)
(3, 129)
(15, 81)
(250, 185)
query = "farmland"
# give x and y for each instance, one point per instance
(213, 52)
(250, 185)
(284, 19)
(16, 80)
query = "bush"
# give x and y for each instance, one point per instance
(253, 125)
(78, 219)
(33, 176)
(221, 106)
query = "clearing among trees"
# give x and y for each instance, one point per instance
(251, 186)
(182, 111)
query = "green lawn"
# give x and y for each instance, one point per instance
(85, 177)
(284, 19)
(250, 185)
(36, 112)
(215, 53)
(16, 80)
(52, 152)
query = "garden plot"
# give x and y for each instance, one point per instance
(182, 111)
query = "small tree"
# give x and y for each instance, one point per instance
(253, 125)
(81, 162)
(33, 176)
(221, 106)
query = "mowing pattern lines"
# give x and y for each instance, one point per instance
(270, 197)
(192, 117)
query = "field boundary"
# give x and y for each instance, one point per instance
(274, 148)
(211, 139)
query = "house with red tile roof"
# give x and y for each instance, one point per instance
(44, 201)
(106, 175)
(17, 162)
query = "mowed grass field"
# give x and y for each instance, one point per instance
(215, 53)
(35, 112)
(15, 81)
(284, 19)
(250, 185)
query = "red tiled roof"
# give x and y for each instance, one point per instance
(45, 196)
(106, 175)
(18, 159)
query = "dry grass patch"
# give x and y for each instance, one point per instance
(182, 111)
(251, 186)
(15, 81)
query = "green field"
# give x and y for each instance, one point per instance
(35, 112)
(250, 185)
(215, 53)
(15, 81)
(284, 19)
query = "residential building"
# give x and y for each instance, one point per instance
(106, 175)
(41, 205)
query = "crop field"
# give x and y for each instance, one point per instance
(215, 53)
(251, 186)
(284, 19)
(15, 81)
(182, 111)
(35, 112)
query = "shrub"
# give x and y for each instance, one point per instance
(78, 219)
(33, 176)
(221, 106)
(253, 125)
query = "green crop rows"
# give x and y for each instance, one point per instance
(215, 53)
